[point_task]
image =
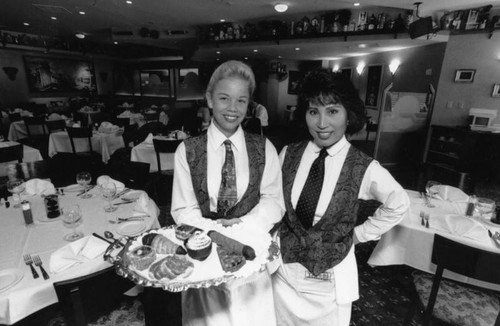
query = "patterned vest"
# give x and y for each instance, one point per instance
(328, 242)
(196, 154)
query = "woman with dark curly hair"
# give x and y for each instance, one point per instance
(323, 178)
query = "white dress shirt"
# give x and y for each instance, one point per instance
(264, 215)
(377, 184)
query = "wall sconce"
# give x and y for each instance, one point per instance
(360, 68)
(336, 68)
(11, 72)
(394, 65)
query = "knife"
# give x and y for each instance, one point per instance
(495, 237)
(90, 188)
(124, 191)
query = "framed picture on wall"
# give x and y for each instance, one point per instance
(156, 83)
(190, 87)
(373, 86)
(496, 90)
(464, 75)
(56, 75)
(293, 82)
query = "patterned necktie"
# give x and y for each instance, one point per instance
(308, 200)
(227, 191)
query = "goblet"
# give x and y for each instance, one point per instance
(83, 179)
(16, 187)
(430, 191)
(108, 191)
(485, 207)
(72, 218)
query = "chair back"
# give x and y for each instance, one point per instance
(84, 299)
(151, 116)
(253, 125)
(130, 134)
(74, 133)
(38, 121)
(122, 122)
(56, 125)
(31, 170)
(12, 153)
(164, 146)
(133, 174)
(462, 259)
(15, 116)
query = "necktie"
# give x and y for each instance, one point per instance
(308, 200)
(227, 191)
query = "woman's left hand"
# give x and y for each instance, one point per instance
(230, 222)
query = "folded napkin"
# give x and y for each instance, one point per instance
(461, 226)
(449, 193)
(86, 109)
(55, 116)
(108, 127)
(39, 187)
(105, 179)
(126, 105)
(149, 139)
(142, 204)
(76, 125)
(77, 252)
(181, 134)
(125, 114)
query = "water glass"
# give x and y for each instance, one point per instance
(83, 179)
(485, 207)
(16, 187)
(72, 218)
(431, 191)
(108, 191)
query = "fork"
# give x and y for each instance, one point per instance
(28, 261)
(422, 217)
(38, 262)
(427, 217)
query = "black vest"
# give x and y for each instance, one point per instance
(328, 242)
(196, 154)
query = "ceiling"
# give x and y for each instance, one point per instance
(177, 22)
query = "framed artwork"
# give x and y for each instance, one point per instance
(347, 72)
(464, 75)
(156, 83)
(293, 82)
(496, 90)
(373, 86)
(189, 87)
(56, 75)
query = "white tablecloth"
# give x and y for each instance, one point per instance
(30, 155)
(17, 130)
(410, 243)
(43, 238)
(145, 152)
(105, 144)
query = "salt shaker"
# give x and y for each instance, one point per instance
(471, 205)
(28, 216)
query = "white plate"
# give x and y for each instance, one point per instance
(131, 195)
(132, 228)
(73, 188)
(45, 219)
(9, 278)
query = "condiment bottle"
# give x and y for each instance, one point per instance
(471, 205)
(28, 216)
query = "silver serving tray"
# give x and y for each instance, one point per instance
(115, 256)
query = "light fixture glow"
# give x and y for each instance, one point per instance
(360, 67)
(255, 50)
(394, 65)
(362, 45)
(246, 58)
(53, 18)
(297, 49)
(281, 7)
(222, 20)
(128, 2)
(336, 67)
(356, 4)
(80, 36)
(81, 12)
(26, 24)
(218, 52)
(115, 42)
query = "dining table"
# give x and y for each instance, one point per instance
(17, 130)
(30, 154)
(26, 295)
(102, 142)
(145, 152)
(410, 242)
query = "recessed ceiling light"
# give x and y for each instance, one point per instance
(53, 18)
(255, 50)
(362, 45)
(222, 20)
(128, 2)
(81, 12)
(218, 52)
(281, 7)
(217, 59)
(80, 36)
(356, 4)
(297, 49)
(115, 42)
(279, 57)
(26, 24)
(246, 58)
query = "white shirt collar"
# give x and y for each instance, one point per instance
(217, 138)
(332, 150)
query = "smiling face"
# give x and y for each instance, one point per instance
(229, 101)
(326, 123)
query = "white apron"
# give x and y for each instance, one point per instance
(242, 302)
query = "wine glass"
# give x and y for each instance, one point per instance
(72, 218)
(108, 190)
(83, 179)
(485, 207)
(431, 190)
(16, 187)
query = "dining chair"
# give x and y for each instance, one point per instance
(454, 302)
(253, 125)
(164, 146)
(151, 116)
(35, 122)
(370, 127)
(87, 298)
(30, 170)
(80, 133)
(56, 125)
(12, 153)
(15, 116)
(134, 175)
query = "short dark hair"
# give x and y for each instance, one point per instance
(322, 86)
